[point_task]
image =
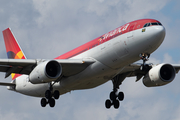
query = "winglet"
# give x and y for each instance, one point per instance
(12, 48)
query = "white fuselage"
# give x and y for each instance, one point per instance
(111, 57)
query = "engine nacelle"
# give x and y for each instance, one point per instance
(45, 72)
(159, 75)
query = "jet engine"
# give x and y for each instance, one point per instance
(45, 72)
(159, 75)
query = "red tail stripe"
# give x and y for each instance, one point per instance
(10, 41)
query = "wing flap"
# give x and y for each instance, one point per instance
(4, 68)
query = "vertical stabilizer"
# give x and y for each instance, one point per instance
(12, 48)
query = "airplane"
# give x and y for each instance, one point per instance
(112, 56)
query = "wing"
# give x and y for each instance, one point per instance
(25, 66)
(176, 67)
(135, 70)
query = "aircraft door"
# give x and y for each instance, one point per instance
(130, 35)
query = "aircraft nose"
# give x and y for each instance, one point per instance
(160, 31)
(157, 36)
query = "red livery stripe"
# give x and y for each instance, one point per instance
(138, 24)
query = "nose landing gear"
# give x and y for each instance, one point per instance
(144, 57)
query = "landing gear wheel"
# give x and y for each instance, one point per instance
(56, 94)
(43, 102)
(112, 95)
(114, 99)
(51, 102)
(48, 94)
(116, 104)
(121, 96)
(115, 96)
(108, 104)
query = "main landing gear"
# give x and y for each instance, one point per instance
(49, 94)
(114, 96)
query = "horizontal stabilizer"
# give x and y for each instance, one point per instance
(7, 84)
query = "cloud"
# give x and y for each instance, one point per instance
(168, 58)
(153, 60)
(46, 29)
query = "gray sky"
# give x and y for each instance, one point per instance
(49, 28)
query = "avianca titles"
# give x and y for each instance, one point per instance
(111, 56)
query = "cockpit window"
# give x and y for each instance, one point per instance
(147, 24)
(154, 23)
(160, 24)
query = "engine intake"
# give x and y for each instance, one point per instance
(52, 69)
(45, 72)
(159, 75)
